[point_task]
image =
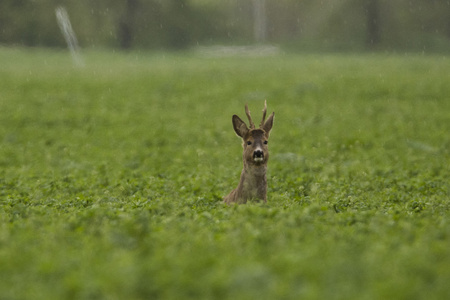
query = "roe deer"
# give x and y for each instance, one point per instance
(253, 183)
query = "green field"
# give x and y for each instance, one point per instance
(112, 175)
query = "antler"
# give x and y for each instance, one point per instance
(247, 112)
(264, 114)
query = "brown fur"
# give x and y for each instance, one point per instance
(253, 182)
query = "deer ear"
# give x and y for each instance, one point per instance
(239, 126)
(268, 124)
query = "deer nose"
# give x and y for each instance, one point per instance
(258, 153)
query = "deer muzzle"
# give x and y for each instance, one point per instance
(258, 155)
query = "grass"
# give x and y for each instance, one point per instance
(111, 177)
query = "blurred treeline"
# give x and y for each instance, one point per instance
(422, 25)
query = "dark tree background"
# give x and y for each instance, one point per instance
(373, 23)
(417, 25)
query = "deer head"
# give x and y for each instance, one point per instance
(254, 139)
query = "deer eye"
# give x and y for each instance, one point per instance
(249, 143)
(265, 142)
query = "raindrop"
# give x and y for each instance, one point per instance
(69, 35)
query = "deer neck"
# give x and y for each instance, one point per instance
(253, 183)
(254, 171)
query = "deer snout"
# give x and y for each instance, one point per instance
(258, 155)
